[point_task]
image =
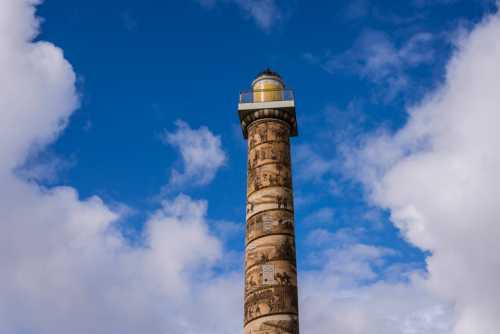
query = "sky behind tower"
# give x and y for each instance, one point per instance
(123, 166)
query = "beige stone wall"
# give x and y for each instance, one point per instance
(271, 304)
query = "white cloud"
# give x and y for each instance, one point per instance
(46, 167)
(356, 9)
(265, 13)
(322, 237)
(375, 57)
(321, 216)
(310, 165)
(351, 293)
(64, 267)
(35, 76)
(319, 169)
(201, 153)
(438, 176)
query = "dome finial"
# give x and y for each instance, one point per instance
(268, 71)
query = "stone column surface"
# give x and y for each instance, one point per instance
(271, 303)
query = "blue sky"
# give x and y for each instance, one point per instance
(142, 66)
(147, 144)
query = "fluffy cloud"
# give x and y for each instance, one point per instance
(64, 266)
(438, 176)
(35, 76)
(201, 152)
(355, 291)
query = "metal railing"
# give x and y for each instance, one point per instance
(266, 95)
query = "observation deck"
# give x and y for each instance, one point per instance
(257, 104)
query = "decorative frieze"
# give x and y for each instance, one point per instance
(270, 222)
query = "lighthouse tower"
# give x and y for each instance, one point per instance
(267, 116)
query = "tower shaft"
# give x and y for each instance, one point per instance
(267, 115)
(271, 305)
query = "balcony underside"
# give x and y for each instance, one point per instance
(282, 110)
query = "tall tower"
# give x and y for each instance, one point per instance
(267, 116)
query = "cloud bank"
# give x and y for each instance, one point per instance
(438, 178)
(64, 267)
(355, 292)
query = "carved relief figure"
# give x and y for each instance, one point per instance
(266, 176)
(275, 299)
(278, 221)
(271, 249)
(269, 198)
(266, 153)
